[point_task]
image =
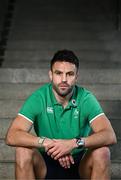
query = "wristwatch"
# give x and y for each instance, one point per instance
(41, 141)
(80, 142)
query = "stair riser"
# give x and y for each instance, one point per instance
(22, 91)
(110, 44)
(38, 57)
(5, 123)
(10, 108)
(7, 153)
(86, 76)
(8, 170)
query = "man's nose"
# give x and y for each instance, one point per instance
(64, 78)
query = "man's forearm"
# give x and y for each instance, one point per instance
(22, 138)
(100, 139)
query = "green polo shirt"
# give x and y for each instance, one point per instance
(51, 120)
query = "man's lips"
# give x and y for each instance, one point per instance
(63, 86)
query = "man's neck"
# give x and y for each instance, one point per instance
(63, 99)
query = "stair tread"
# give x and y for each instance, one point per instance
(8, 153)
(5, 123)
(22, 45)
(110, 107)
(7, 171)
(22, 90)
(40, 75)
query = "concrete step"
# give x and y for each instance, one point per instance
(86, 6)
(88, 59)
(73, 6)
(75, 31)
(7, 153)
(88, 32)
(62, 8)
(62, 13)
(99, 43)
(39, 64)
(7, 170)
(10, 108)
(65, 15)
(86, 76)
(80, 31)
(5, 123)
(22, 90)
(47, 3)
(38, 56)
(3, 10)
(83, 64)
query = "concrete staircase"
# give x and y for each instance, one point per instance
(40, 28)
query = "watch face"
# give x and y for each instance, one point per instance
(80, 142)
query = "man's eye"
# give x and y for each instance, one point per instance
(71, 74)
(58, 73)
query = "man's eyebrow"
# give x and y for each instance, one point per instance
(70, 72)
(62, 71)
(56, 70)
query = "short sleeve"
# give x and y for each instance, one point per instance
(31, 108)
(92, 107)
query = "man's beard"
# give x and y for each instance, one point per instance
(63, 92)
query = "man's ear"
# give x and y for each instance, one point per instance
(50, 75)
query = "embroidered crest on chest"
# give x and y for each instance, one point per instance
(76, 113)
(50, 110)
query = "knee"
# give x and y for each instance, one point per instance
(24, 157)
(102, 156)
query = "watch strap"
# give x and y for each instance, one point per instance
(41, 141)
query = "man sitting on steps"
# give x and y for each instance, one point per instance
(73, 133)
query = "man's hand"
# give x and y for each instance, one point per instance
(60, 147)
(47, 143)
(66, 161)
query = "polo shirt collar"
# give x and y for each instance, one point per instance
(72, 101)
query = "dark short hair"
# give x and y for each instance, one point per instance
(65, 56)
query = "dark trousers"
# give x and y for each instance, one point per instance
(55, 171)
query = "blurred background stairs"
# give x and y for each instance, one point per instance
(32, 31)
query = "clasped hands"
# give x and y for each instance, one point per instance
(60, 149)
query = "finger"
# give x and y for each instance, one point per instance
(68, 164)
(59, 154)
(51, 145)
(48, 147)
(55, 154)
(51, 150)
(61, 162)
(64, 162)
(71, 159)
